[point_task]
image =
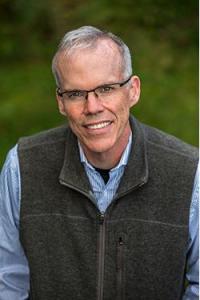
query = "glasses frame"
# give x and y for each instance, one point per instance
(86, 92)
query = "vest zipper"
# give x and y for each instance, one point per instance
(120, 268)
(101, 258)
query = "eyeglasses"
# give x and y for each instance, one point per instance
(103, 92)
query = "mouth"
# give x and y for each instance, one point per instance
(99, 125)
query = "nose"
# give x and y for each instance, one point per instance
(93, 105)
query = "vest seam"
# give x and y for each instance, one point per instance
(148, 221)
(52, 214)
(108, 220)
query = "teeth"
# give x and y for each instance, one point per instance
(98, 126)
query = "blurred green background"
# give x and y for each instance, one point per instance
(162, 36)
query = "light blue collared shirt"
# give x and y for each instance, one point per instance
(104, 193)
(14, 271)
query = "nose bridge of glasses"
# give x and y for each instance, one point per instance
(92, 91)
(93, 103)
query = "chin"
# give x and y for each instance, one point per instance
(100, 147)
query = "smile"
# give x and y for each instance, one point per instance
(99, 125)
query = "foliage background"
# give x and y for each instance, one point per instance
(162, 36)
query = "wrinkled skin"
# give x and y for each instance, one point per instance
(102, 127)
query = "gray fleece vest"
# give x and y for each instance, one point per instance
(136, 250)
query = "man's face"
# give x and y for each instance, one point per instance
(101, 125)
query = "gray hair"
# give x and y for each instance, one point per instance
(86, 37)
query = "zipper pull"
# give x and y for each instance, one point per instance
(101, 218)
(120, 242)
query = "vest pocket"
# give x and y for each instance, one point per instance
(120, 269)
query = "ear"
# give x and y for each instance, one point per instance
(134, 90)
(61, 105)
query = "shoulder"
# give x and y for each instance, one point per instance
(11, 161)
(10, 187)
(167, 143)
(10, 171)
(44, 150)
(44, 138)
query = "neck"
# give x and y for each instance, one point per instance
(110, 158)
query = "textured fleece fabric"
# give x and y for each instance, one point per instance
(146, 225)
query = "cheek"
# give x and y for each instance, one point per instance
(74, 117)
(122, 110)
(73, 114)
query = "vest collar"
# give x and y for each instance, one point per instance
(73, 173)
(136, 171)
(135, 174)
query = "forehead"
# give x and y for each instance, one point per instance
(100, 63)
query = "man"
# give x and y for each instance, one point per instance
(107, 207)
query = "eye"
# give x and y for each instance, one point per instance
(105, 89)
(75, 94)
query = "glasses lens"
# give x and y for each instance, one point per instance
(106, 91)
(75, 95)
